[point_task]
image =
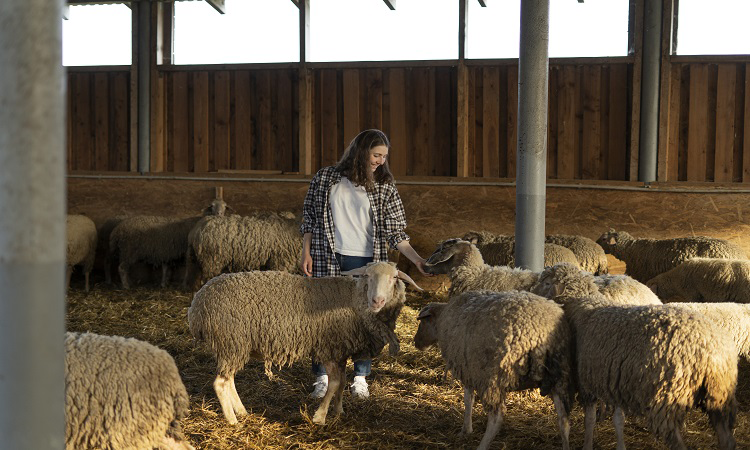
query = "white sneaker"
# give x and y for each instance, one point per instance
(359, 388)
(320, 387)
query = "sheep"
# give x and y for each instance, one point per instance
(463, 263)
(702, 279)
(590, 255)
(121, 393)
(104, 231)
(499, 342)
(81, 240)
(625, 290)
(499, 250)
(732, 318)
(239, 243)
(281, 318)
(646, 360)
(646, 258)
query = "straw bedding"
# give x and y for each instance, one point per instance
(411, 405)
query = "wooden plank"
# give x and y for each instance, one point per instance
(101, 121)
(635, 118)
(83, 141)
(305, 121)
(244, 125)
(697, 133)
(180, 126)
(673, 134)
(684, 123)
(222, 119)
(725, 131)
(69, 156)
(159, 121)
(491, 122)
(329, 145)
(604, 124)
(478, 122)
(372, 106)
(419, 159)
(200, 133)
(351, 119)
(591, 150)
(552, 132)
(665, 93)
(399, 136)
(746, 129)
(441, 122)
(283, 139)
(512, 120)
(462, 119)
(566, 119)
(618, 122)
(118, 157)
(264, 94)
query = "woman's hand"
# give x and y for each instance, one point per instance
(420, 265)
(306, 265)
(407, 250)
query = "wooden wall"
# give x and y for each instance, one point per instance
(705, 111)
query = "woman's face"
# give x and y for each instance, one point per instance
(378, 155)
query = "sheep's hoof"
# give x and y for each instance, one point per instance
(319, 419)
(467, 431)
(393, 348)
(232, 420)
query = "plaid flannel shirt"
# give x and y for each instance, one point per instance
(388, 221)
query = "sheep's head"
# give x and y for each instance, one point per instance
(218, 207)
(475, 237)
(448, 255)
(426, 334)
(562, 281)
(381, 279)
(609, 240)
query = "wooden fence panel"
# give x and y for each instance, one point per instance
(698, 132)
(746, 127)
(244, 124)
(221, 120)
(725, 131)
(101, 121)
(591, 158)
(351, 119)
(120, 123)
(399, 136)
(199, 141)
(82, 126)
(512, 120)
(283, 141)
(329, 144)
(568, 131)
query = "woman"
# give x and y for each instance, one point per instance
(352, 213)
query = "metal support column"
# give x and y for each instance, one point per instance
(144, 85)
(533, 78)
(649, 132)
(32, 226)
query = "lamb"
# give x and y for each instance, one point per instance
(647, 360)
(463, 263)
(646, 258)
(121, 393)
(499, 250)
(499, 342)
(240, 243)
(705, 279)
(81, 240)
(281, 318)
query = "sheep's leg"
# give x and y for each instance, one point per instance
(674, 438)
(169, 443)
(68, 272)
(237, 406)
(468, 407)
(123, 269)
(618, 420)
(86, 276)
(334, 381)
(338, 403)
(494, 422)
(720, 421)
(108, 268)
(164, 275)
(223, 388)
(589, 420)
(563, 422)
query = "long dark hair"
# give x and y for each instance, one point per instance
(355, 163)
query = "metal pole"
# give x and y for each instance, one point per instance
(533, 78)
(144, 85)
(649, 133)
(32, 226)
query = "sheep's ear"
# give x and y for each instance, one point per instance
(424, 313)
(471, 236)
(401, 275)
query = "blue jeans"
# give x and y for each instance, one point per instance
(363, 366)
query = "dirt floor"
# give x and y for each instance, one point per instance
(412, 405)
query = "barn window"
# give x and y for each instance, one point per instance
(592, 28)
(367, 30)
(97, 35)
(251, 31)
(718, 27)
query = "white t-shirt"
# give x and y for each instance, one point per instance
(352, 219)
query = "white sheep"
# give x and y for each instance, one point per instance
(625, 290)
(281, 318)
(590, 255)
(500, 342)
(81, 239)
(465, 266)
(500, 250)
(235, 243)
(705, 279)
(646, 258)
(645, 360)
(121, 393)
(732, 318)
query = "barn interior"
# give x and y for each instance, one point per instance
(660, 160)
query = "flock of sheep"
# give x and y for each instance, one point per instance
(503, 329)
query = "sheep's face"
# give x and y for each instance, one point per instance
(218, 207)
(474, 237)
(555, 281)
(426, 334)
(448, 255)
(381, 281)
(608, 240)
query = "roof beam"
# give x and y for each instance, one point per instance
(391, 4)
(218, 5)
(296, 3)
(482, 3)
